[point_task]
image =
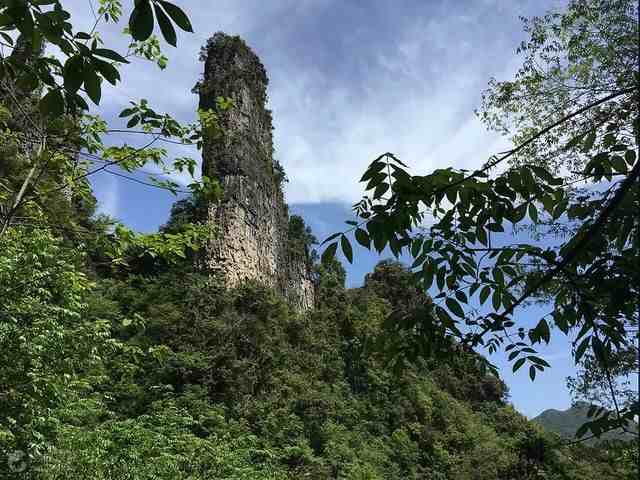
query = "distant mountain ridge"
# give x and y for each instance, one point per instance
(566, 422)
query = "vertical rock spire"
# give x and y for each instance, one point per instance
(252, 220)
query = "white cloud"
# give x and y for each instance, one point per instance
(421, 113)
(348, 90)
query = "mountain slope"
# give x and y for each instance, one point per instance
(566, 423)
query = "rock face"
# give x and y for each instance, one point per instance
(252, 220)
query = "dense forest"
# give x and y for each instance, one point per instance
(160, 372)
(123, 357)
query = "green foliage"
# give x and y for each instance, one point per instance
(51, 145)
(168, 375)
(86, 64)
(51, 346)
(573, 120)
(169, 247)
(569, 60)
(183, 212)
(161, 444)
(566, 423)
(155, 370)
(258, 391)
(301, 239)
(591, 382)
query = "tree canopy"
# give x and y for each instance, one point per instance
(54, 142)
(120, 359)
(571, 179)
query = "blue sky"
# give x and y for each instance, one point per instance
(348, 80)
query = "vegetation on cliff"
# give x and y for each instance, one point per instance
(167, 374)
(119, 359)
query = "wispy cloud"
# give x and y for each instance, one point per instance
(348, 82)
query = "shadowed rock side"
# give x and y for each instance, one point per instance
(252, 218)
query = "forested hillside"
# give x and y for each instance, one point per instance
(566, 423)
(224, 346)
(152, 371)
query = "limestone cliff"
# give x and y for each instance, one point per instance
(252, 220)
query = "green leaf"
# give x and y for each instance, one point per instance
(73, 73)
(498, 276)
(7, 38)
(80, 102)
(380, 239)
(538, 360)
(542, 173)
(127, 112)
(108, 71)
(141, 21)
(428, 274)
(582, 348)
(574, 141)
(329, 253)
(533, 212)
(440, 277)
(380, 190)
(415, 247)
(589, 141)
(372, 171)
(561, 322)
(346, 248)
(452, 195)
(484, 294)
(583, 429)
(110, 54)
(92, 84)
(560, 209)
(28, 81)
(454, 306)
(446, 319)
(618, 164)
(52, 104)
(168, 32)
(461, 296)
(482, 236)
(133, 121)
(496, 300)
(331, 237)
(6, 19)
(549, 203)
(532, 373)
(630, 157)
(527, 178)
(599, 349)
(543, 329)
(362, 238)
(519, 213)
(177, 15)
(518, 364)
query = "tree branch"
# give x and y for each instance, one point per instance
(581, 243)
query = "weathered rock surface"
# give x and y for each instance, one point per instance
(252, 220)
